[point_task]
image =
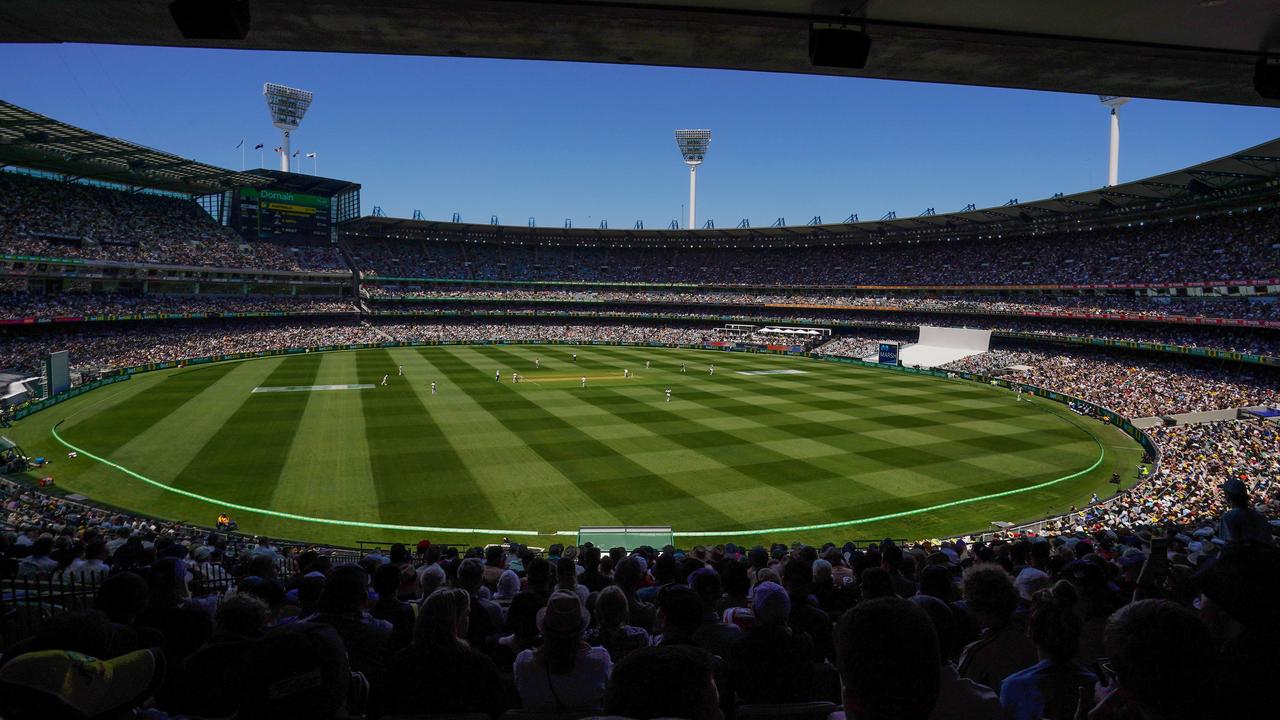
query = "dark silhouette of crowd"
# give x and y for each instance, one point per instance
(1159, 620)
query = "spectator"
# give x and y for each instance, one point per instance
(440, 673)
(1050, 689)
(1243, 524)
(564, 674)
(611, 631)
(889, 661)
(1003, 647)
(958, 698)
(1153, 646)
(342, 606)
(772, 663)
(670, 681)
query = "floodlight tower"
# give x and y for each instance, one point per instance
(1113, 161)
(287, 106)
(693, 146)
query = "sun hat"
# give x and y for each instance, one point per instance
(564, 615)
(57, 680)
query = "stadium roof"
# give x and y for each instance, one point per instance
(1190, 50)
(1253, 168)
(303, 183)
(32, 140)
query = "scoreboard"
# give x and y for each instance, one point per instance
(270, 213)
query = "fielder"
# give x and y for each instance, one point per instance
(668, 394)
(646, 364)
(384, 379)
(584, 382)
(626, 373)
(537, 364)
(401, 369)
(711, 370)
(433, 387)
(497, 376)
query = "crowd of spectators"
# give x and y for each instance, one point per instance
(1136, 307)
(18, 305)
(1134, 387)
(96, 348)
(1210, 337)
(1242, 246)
(583, 333)
(1167, 615)
(1195, 461)
(46, 218)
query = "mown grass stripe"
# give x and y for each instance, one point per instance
(573, 454)
(243, 459)
(416, 470)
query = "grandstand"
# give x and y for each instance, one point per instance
(284, 483)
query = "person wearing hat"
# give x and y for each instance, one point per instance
(773, 662)
(1243, 524)
(565, 674)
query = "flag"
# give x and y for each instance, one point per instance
(258, 146)
(295, 153)
(240, 145)
(277, 149)
(311, 155)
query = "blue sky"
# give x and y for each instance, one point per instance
(589, 142)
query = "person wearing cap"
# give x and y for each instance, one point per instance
(1243, 524)
(343, 606)
(772, 663)
(565, 674)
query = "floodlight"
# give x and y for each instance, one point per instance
(693, 146)
(287, 106)
(1113, 159)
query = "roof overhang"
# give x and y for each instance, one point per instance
(1198, 51)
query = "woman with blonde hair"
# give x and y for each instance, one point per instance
(440, 673)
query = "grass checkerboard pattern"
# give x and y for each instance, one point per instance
(729, 453)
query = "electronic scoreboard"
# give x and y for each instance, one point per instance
(269, 213)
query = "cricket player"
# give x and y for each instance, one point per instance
(584, 382)
(626, 373)
(575, 357)
(433, 387)
(497, 376)
(668, 394)
(537, 364)
(682, 368)
(384, 379)
(401, 369)
(711, 370)
(646, 364)
(515, 378)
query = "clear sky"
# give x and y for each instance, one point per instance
(589, 142)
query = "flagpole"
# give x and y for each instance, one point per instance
(242, 155)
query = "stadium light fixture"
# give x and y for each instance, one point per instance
(287, 106)
(693, 146)
(1113, 159)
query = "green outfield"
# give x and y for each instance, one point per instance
(793, 444)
